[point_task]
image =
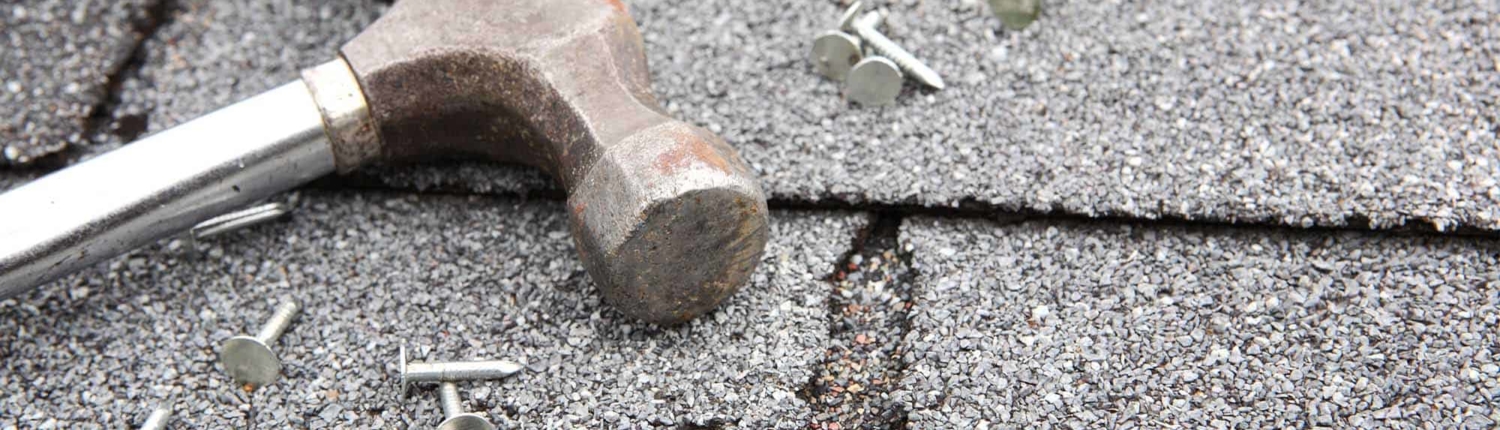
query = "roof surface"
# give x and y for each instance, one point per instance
(60, 57)
(1171, 213)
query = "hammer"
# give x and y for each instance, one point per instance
(667, 218)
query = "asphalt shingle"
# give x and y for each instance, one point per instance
(1344, 113)
(210, 54)
(15, 178)
(1339, 113)
(868, 308)
(452, 278)
(1080, 325)
(58, 59)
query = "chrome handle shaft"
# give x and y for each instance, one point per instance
(160, 186)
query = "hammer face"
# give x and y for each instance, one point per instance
(668, 219)
(669, 223)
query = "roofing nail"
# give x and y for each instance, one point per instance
(239, 219)
(249, 360)
(876, 81)
(865, 28)
(457, 370)
(457, 419)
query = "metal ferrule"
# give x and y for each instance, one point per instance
(351, 131)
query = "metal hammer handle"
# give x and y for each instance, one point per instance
(160, 186)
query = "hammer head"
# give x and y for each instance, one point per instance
(667, 217)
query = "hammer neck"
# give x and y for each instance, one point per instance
(346, 114)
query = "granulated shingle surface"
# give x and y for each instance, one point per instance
(57, 59)
(1339, 113)
(1344, 113)
(451, 278)
(12, 179)
(1077, 325)
(214, 53)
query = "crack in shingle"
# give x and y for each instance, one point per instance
(102, 123)
(868, 321)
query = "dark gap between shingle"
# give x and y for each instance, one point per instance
(870, 297)
(101, 122)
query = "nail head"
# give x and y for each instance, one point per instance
(876, 81)
(466, 421)
(249, 361)
(835, 53)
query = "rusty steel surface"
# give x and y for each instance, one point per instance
(667, 218)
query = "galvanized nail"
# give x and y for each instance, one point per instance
(1016, 14)
(249, 360)
(834, 53)
(456, 418)
(159, 418)
(239, 219)
(457, 370)
(865, 28)
(876, 81)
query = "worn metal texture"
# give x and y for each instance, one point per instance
(667, 217)
(346, 115)
(111, 204)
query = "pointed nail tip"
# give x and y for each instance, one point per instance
(514, 368)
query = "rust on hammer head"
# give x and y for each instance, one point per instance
(689, 149)
(667, 217)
